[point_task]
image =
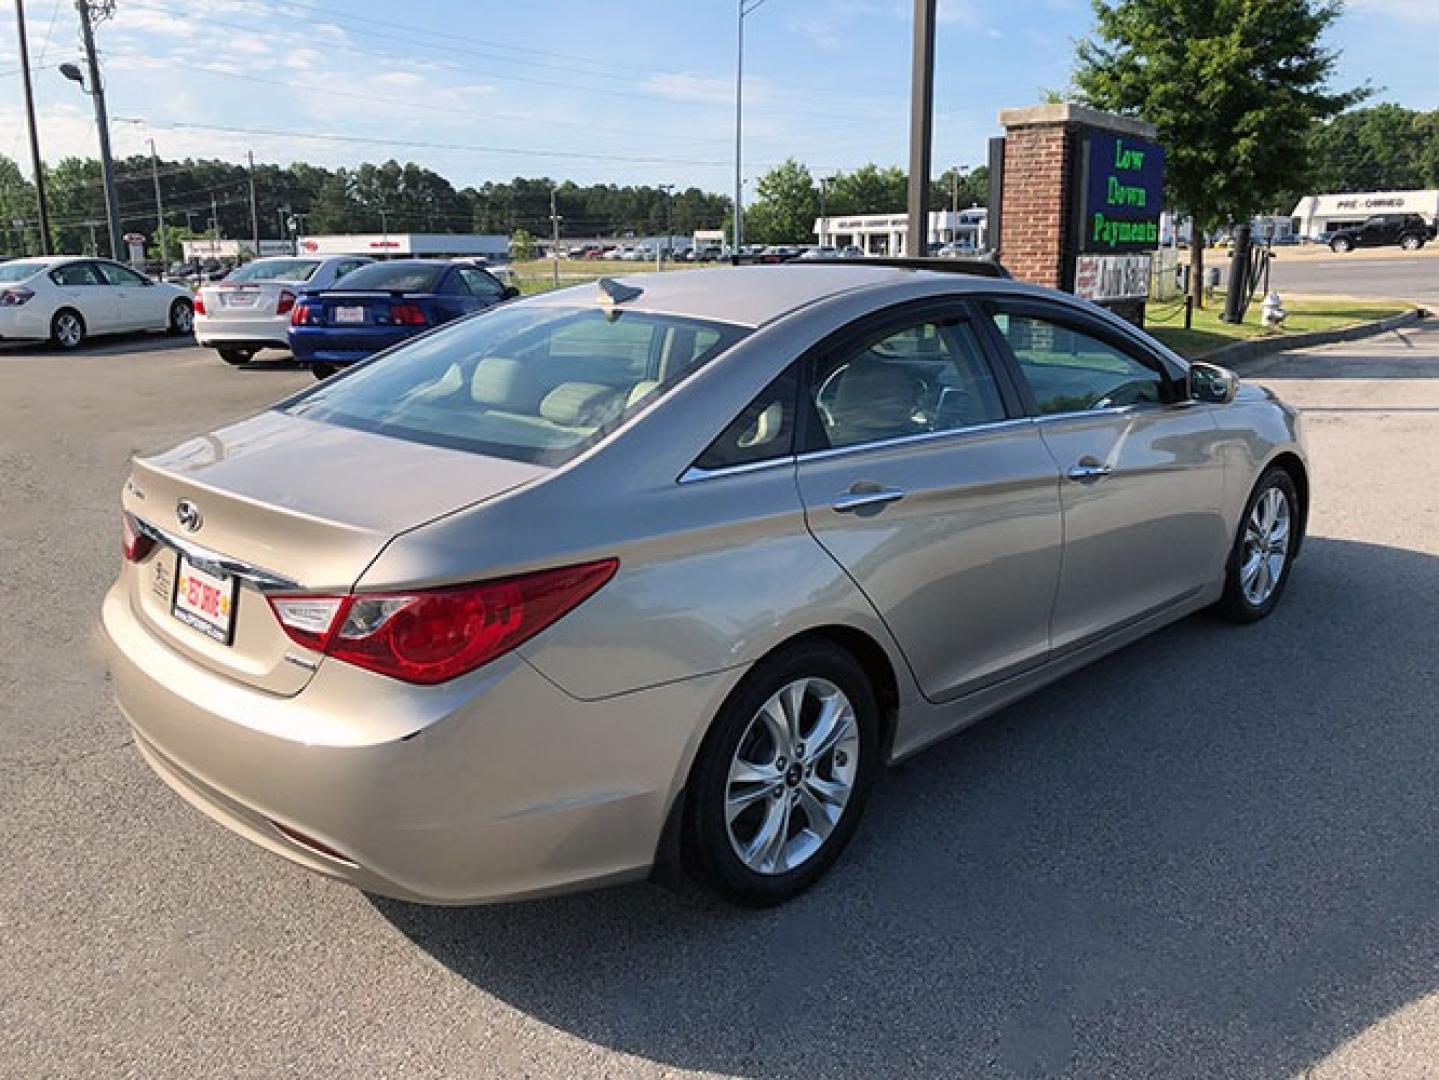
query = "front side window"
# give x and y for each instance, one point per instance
(116, 274)
(924, 378)
(1071, 371)
(532, 384)
(76, 274)
(480, 283)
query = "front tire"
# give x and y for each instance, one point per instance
(1263, 552)
(67, 329)
(783, 776)
(1341, 246)
(236, 356)
(321, 370)
(1411, 242)
(182, 318)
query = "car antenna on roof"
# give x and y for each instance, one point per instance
(612, 292)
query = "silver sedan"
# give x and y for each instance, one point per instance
(663, 573)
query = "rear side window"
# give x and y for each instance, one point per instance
(393, 277)
(763, 431)
(532, 384)
(76, 274)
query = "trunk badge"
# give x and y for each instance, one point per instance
(188, 514)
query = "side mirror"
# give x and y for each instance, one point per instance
(1212, 383)
(510, 292)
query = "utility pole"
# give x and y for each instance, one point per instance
(665, 252)
(215, 220)
(554, 236)
(737, 232)
(254, 210)
(35, 161)
(94, 244)
(921, 127)
(159, 205)
(102, 121)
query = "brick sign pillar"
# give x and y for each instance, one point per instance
(1045, 221)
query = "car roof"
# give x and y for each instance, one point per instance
(754, 295)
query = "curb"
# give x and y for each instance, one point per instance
(1243, 351)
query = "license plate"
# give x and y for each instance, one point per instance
(204, 601)
(242, 299)
(349, 314)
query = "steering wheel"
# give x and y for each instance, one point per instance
(1130, 393)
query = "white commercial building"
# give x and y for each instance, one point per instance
(1317, 214)
(884, 234)
(408, 245)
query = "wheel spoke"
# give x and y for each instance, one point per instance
(749, 772)
(1249, 572)
(830, 792)
(766, 850)
(834, 723)
(738, 802)
(773, 718)
(792, 701)
(820, 817)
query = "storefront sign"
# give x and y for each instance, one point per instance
(1123, 193)
(1112, 277)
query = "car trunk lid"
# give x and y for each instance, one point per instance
(279, 503)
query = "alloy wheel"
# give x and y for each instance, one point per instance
(1266, 546)
(68, 331)
(792, 776)
(183, 319)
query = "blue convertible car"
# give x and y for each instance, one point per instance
(384, 303)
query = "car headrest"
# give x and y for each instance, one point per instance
(500, 382)
(581, 404)
(641, 390)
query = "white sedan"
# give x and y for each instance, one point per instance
(250, 309)
(68, 299)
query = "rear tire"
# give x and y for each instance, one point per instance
(766, 815)
(236, 356)
(182, 318)
(1263, 552)
(322, 370)
(1341, 246)
(67, 329)
(1411, 242)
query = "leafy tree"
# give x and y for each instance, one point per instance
(522, 245)
(869, 190)
(17, 203)
(1233, 87)
(1386, 147)
(785, 207)
(973, 187)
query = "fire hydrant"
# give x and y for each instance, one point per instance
(1271, 312)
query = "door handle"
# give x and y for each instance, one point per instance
(1088, 470)
(853, 500)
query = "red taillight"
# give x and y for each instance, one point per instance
(300, 315)
(432, 636)
(14, 297)
(200, 305)
(287, 302)
(134, 544)
(407, 315)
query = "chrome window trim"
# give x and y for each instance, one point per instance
(215, 563)
(919, 439)
(694, 473)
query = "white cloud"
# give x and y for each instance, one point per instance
(1415, 11)
(683, 86)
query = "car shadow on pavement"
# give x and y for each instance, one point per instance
(1212, 853)
(95, 348)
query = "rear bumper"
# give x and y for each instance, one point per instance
(17, 324)
(496, 786)
(217, 332)
(341, 345)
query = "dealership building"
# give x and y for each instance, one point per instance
(1316, 214)
(884, 234)
(408, 245)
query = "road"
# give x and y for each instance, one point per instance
(1359, 274)
(1215, 854)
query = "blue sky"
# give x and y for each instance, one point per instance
(638, 91)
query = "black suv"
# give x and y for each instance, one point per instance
(1409, 231)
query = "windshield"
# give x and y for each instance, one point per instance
(392, 277)
(276, 270)
(531, 384)
(20, 271)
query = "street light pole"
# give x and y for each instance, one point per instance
(737, 232)
(254, 208)
(96, 90)
(35, 161)
(668, 249)
(554, 237)
(159, 204)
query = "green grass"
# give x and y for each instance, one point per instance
(538, 275)
(1166, 321)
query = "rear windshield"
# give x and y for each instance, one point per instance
(276, 270)
(392, 277)
(531, 384)
(20, 271)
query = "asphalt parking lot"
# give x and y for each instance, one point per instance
(1214, 854)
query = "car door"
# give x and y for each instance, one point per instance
(1143, 483)
(139, 305)
(1373, 233)
(922, 478)
(83, 288)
